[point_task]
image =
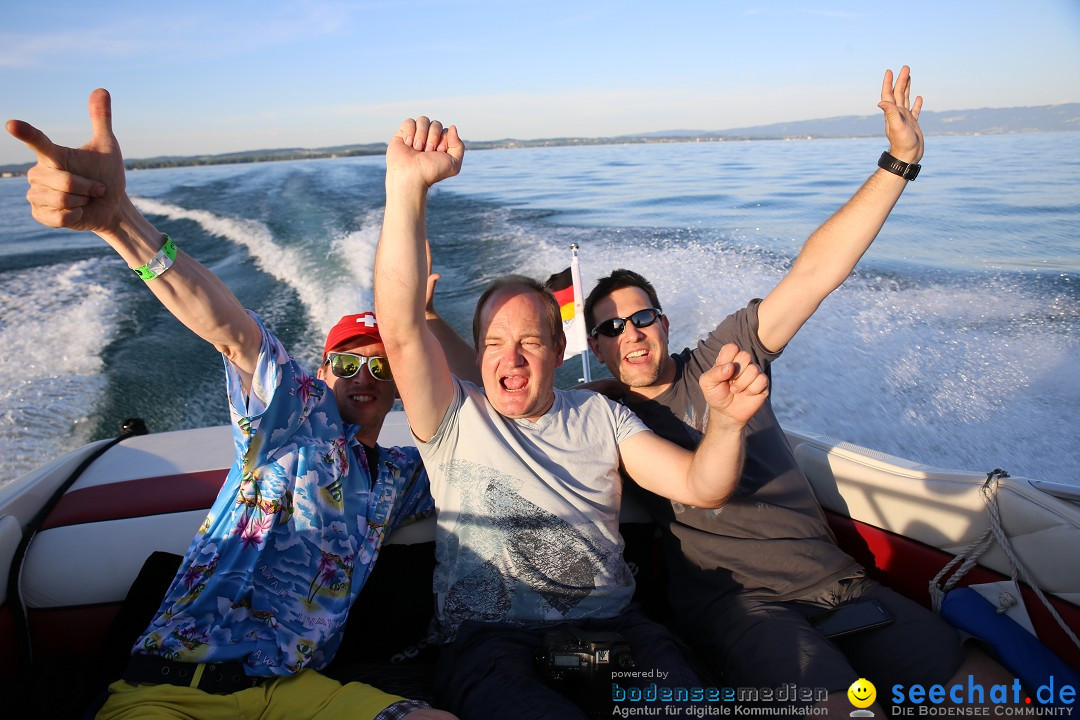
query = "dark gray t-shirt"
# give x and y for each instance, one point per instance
(771, 539)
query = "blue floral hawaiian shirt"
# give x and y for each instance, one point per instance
(293, 534)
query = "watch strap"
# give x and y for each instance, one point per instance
(908, 171)
(159, 263)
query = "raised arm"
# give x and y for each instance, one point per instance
(419, 155)
(832, 251)
(735, 389)
(460, 355)
(85, 189)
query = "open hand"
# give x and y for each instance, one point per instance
(734, 387)
(424, 151)
(902, 116)
(76, 188)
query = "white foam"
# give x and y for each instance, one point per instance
(355, 251)
(288, 265)
(964, 377)
(339, 285)
(969, 377)
(51, 370)
(972, 376)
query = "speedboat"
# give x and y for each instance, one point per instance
(76, 533)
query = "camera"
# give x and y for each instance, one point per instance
(579, 664)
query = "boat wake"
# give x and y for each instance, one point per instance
(322, 290)
(52, 371)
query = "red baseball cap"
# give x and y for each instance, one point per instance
(350, 327)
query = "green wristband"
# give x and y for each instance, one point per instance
(159, 263)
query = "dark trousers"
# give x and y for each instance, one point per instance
(765, 643)
(489, 671)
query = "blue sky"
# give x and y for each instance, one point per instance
(199, 77)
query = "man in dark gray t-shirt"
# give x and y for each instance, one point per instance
(771, 539)
(744, 577)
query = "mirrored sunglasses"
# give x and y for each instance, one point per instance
(345, 365)
(615, 326)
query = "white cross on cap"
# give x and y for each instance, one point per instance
(368, 319)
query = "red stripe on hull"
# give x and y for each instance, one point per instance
(137, 498)
(908, 566)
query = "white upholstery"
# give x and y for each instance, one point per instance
(944, 508)
(97, 562)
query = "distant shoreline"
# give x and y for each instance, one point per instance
(258, 156)
(984, 121)
(474, 145)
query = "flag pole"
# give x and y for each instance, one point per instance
(579, 311)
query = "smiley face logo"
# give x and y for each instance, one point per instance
(862, 693)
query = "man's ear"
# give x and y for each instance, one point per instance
(594, 345)
(560, 348)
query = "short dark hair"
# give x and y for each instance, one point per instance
(551, 305)
(617, 280)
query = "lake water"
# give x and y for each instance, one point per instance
(954, 344)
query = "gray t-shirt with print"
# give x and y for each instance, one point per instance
(528, 513)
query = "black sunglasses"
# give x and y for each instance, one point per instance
(345, 365)
(615, 326)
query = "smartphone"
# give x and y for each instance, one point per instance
(851, 618)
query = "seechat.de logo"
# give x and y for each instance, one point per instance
(1052, 698)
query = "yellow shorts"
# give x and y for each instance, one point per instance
(306, 695)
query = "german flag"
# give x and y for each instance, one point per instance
(561, 285)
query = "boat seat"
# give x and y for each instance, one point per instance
(944, 509)
(384, 641)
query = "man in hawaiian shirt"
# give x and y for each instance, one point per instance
(259, 603)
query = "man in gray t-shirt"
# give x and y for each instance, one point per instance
(744, 578)
(529, 542)
(526, 479)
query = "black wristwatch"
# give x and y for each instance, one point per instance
(908, 171)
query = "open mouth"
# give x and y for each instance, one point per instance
(514, 383)
(637, 357)
(362, 398)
